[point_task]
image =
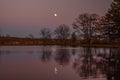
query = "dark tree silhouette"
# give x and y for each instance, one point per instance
(45, 33)
(85, 25)
(62, 32)
(113, 14)
(113, 18)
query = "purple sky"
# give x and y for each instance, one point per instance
(22, 17)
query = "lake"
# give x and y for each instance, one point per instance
(59, 63)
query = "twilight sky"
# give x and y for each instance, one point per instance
(22, 17)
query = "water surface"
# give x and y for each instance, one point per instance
(58, 63)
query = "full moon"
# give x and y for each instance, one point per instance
(55, 14)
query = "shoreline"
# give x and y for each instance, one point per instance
(80, 45)
(14, 41)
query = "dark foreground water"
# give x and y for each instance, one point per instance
(59, 63)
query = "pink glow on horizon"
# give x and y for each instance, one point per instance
(41, 12)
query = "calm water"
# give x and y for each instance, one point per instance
(58, 63)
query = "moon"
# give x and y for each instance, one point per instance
(55, 14)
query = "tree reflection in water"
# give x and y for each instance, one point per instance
(96, 63)
(62, 56)
(73, 52)
(86, 62)
(113, 65)
(85, 65)
(46, 54)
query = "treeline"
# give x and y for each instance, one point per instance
(86, 29)
(100, 29)
(36, 41)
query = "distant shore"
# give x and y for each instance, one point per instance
(13, 41)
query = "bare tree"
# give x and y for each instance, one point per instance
(62, 32)
(45, 33)
(85, 25)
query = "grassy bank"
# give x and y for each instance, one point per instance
(80, 45)
(13, 41)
